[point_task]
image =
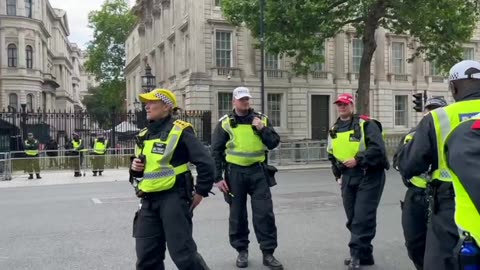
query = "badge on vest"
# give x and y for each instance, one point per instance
(159, 148)
(466, 116)
(354, 138)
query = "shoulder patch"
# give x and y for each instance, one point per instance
(365, 117)
(182, 124)
(476, 125)
(223, 118)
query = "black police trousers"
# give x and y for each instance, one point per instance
(165, 219)
(252, 181)
(442, 232)
(414, 223)
(361, 195)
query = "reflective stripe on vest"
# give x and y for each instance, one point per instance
(445, 119)
(159, 174)
(244, 147)
(99, 147)
(342, 148)
(467, 216)
(418, 181)
(31, 152)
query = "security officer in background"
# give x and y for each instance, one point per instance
(425, 152)
(162, 179)
(357, 152)
(99, 146)
(462, 153)
(415, 205)
(31, 151)
(76, 154)
(240, 142)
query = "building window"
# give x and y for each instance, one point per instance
(223, 48)
(12, 7)
(29, 56)
(271, 61)
(357, 51)
(44, 101)
(224, 104)
(319, 66)
(12, 55)
(13, 101)
(468, 54)
(274, 109)
(218, 3)
(398, 57)
(29, 103)
(28, 8)
(434, 70)
(401, 111)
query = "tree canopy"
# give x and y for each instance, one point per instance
(298, 28)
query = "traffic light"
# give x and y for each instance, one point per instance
(418, 101)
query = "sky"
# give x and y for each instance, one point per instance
(77, 14)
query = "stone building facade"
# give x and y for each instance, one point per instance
(195, 52)
(39, 67)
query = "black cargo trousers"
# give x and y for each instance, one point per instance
(243, 181)
(361, 194)
(164, 218)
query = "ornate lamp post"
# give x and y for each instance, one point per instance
(148, 84)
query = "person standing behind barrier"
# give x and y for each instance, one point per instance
(31, 150)
(77, 154)
(240, 141)
(357, 151)
(415, 205)
(99, 146)
(52, 153)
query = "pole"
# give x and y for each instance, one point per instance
(262, 52)
(424, 97)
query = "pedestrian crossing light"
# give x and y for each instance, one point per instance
(418, 101)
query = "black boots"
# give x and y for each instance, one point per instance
(354, 263)
(38, 176)
(77, 174)
(271, 262)
(30, 177)
(94, 173)
(242, 259)
(364, 261)
(100, 173)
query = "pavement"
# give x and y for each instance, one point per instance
(88, 225)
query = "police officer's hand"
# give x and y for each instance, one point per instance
(339, 181)
(257, 123)
(137, 165)
(350, 163)
(222, 186)
(197, 199)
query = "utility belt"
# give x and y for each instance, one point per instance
(437, 191)
(183, 184)
(268, 170)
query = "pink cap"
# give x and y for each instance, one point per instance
(345, 98)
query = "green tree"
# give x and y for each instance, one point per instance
(106, 57)
(297, 28)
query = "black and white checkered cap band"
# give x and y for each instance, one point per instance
(164, 98)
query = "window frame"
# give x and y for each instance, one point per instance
(10, 101)
(223, 111)
(28, 12)
(30, 101)
(356, 57)
(281, 110)
(29, 56)
(404, 111)
(9, 5)
(217, 49)
(12, 55)
(402, 59)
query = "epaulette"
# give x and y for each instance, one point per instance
(223, 118)
(143, 132)
(182, 124)
(260, 114)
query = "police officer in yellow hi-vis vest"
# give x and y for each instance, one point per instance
(415, 205)
(462, 154)
(162, 179)
(32, 161)
(239, 146)
(76, 153)
(425, 152)
(99, 146)
(357, 151)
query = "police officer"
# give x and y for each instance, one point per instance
(99, 146)
(357, 152)
(31, 151)
(240, 142)
(161, 175)
(425, 152)
(415, 204)
(462, 152)
(76, 154)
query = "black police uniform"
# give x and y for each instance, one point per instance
(416, 157)
(249, 180)
(362, 188)
(414, 217)
(165, 217)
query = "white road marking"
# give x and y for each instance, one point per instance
(96, 201)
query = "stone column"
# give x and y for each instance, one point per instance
(21, 60)
(3, 52)
(340, 57)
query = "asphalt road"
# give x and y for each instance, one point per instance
(88, 226)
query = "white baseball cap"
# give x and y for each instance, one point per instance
(241, 92)
(467, 69)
